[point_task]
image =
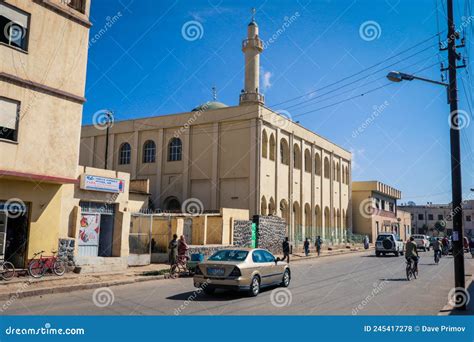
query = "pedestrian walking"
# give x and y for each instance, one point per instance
(318, 245)
(286, 250)
(182, 247)
(306, 246)
(173, 251)
(366, 242)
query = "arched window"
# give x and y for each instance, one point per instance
(327, 218)
(307, 160)
(344, 219)
(338, 219)
(264, 144)
(338, 172)
(296, 157)
(172, 204)
(263, 206)
(149, 151)
(327, 168)
(271, 206)
(308, 222)
(319, 217)
(343, 174)
(284, 152)
(272, 147)
(297, 228)
(125, 154)
(284, 210)
(317, 164)
(175, 149)
(347, 175)
(334, 170)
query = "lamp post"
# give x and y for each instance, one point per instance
(458, 252)
(109, 120)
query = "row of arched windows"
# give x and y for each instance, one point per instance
(269, 149)
(175, 151)
(339, 219)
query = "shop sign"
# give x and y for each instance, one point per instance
(105, 184)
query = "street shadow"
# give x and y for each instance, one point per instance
(382, 256)
(393, 279)
(220, 295)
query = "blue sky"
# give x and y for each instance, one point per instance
(142, 64)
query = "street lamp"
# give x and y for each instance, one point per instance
(458, 249)
(396, 76)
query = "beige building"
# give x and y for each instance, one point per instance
(46, 199)
(427, 219)
(245, 157)
(374, 210)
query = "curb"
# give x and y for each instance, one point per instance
(138, 279)
(69, 288)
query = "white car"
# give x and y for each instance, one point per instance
(422, 242)
(389, 243)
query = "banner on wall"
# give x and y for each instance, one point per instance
(89, 230)
(105, 184)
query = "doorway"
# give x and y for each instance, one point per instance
(96, 234)
(14, 233)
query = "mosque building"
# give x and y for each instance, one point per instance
(246, 156)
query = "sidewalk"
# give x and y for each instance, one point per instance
(449, 310)
(26, 286)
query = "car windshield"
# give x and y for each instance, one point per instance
(229, 255)
(418, 237)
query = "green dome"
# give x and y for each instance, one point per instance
(209, 106)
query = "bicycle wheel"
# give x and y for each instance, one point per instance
(59, 268)
(7, 271)
(36, 269)
(408, 269)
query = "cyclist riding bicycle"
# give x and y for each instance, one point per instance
(437, 248)
(411, 253)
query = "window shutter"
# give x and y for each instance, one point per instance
(8, 114)
(15, 16)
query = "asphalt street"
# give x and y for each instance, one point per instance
(352, 284)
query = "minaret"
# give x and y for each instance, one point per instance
(252, 47)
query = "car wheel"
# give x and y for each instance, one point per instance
(402, 252)
(397, 253)
(209, 290)
(429, 249)
(377, 254)
(254, 286)
(286, 279)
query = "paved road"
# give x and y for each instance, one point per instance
(341, 285)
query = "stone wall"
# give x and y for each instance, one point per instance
(271, 231)
(242, 233)
(66, 251)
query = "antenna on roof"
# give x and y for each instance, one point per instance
(214, 93)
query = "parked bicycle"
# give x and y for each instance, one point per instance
(411, 269)
(180, 268)
(7, 270)
(38, 267)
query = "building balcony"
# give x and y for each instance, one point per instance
(384, 213)
(252, 98)
(252, 43)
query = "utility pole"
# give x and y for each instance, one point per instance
(457, 238)
(109, 119)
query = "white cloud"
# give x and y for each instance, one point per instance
(266, 80)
